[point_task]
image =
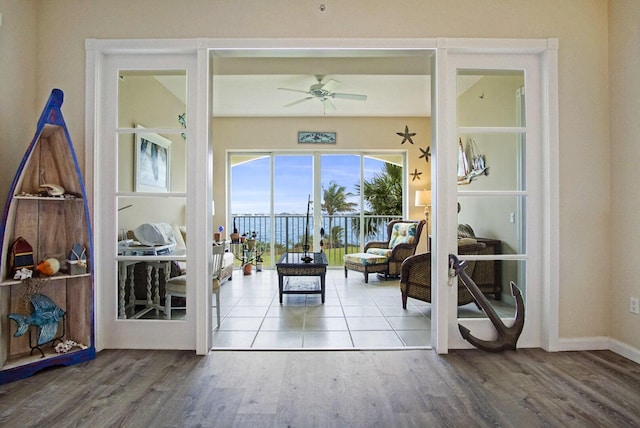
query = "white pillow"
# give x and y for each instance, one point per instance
(155, 234)
(177, 233)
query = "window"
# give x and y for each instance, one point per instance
(269, 193)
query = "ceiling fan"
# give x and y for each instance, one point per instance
(324, 91)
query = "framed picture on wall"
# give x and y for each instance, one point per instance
(313, 137)
(152, 162)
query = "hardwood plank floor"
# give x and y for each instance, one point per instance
(401, 388)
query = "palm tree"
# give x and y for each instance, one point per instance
(383, 194)
(337, 234)
(334, 202)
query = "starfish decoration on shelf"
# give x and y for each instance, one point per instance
(416, 175)
(425, 154)
(406, 135)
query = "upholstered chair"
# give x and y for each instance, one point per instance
(385, 257)
(415, 276)
(403, 237)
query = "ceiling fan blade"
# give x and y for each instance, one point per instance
(298, 102)
(330, 85)
(327, 102)
(356, 97)
(294, 90)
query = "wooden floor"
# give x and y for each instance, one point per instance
(404, 388)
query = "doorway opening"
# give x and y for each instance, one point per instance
(356, 103)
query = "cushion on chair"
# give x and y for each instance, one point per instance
(365, 258)
(176, 285)
(385, 252)
(466, 241)
(402, 233)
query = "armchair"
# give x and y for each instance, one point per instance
(400, 244)
(415, 276)
(386, 257)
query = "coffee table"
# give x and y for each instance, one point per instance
(292, 265)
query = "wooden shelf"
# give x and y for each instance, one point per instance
(47, 198)
(52, 225)
(9, 282)
(49, 353)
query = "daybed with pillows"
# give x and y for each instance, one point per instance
(162, 235)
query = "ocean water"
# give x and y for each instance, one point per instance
(291, 228)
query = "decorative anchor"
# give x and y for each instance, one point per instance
(507, 336)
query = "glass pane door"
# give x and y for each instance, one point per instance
(293, 189)
(498, 157)
(151, 194)
(492, 188)
(382, 193)
(145, 173)
(269, 198)
(340, 205)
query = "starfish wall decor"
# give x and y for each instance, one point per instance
(425, 154)
(416, 175)
(406, 135)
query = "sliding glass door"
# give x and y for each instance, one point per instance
(349, 197)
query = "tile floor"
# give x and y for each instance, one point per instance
(355, 315)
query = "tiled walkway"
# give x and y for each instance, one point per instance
(355, 315)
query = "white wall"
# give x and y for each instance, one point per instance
(580, 25)
(18, 114)
(625, 151)
(138, 98)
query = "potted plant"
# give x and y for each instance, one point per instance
(235, 237)
(217, 236)
(246, 268)
(251, 241)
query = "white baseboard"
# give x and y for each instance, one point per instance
(625, 350)
(600, 343)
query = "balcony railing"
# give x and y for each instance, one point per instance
(289, 234)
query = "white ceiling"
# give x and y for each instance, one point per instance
(258, 95)
(246, 83)
(396, 84)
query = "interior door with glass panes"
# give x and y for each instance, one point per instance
(147, 297)
(497, 146)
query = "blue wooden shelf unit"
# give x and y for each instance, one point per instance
(53, 219)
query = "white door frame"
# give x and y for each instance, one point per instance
(201, 191)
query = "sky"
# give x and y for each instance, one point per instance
(250, 182)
